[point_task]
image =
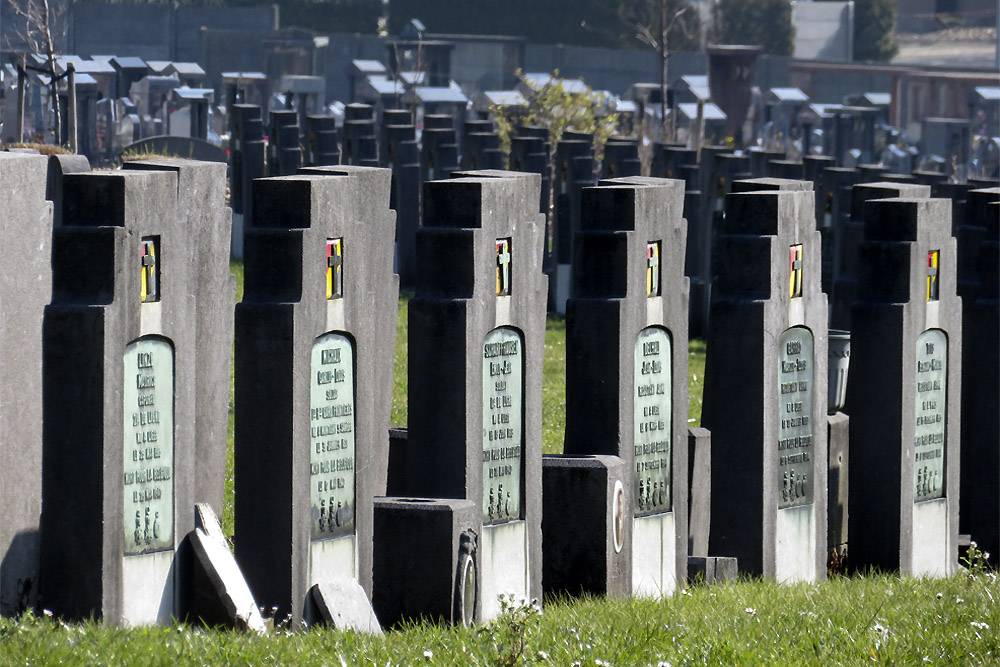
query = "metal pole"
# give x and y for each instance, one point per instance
(71, 130)
(21, 82)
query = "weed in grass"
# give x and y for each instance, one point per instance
(511, 632)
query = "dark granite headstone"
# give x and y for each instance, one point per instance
(833, 213)
(904, 391)
(849, 235)
(247, 162)
(284, 151)
(980, 474)
(25, 249)
(120, 348)
(427, 560)
(321, 141)
(314, 335)
(476, 334)
(585, 532)
(626, 377)
(765, 388)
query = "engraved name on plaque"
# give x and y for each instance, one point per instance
(652, 421)
(503, 406)
(928, 436)
(331, 437)
(149, 446)
(795, 406)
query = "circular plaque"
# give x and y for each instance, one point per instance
(618, 515)
(467, 589)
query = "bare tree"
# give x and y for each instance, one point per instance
(653, 27)
(43, 32)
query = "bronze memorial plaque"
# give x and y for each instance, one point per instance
(931, 397)
(795, 428)
(331, 437)
(149, 446)
(503, 431)
(651, 422)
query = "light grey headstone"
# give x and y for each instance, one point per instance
(227, 581)
(26, 254)
(904, 391)
(342, 604)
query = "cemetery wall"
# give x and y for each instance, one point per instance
(151, 32)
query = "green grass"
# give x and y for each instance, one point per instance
(877, 619)
(863, 621)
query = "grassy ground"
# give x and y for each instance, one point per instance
(863, 621)
(876, 619)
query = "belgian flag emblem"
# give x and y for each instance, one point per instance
(334, 268)
(795, 271)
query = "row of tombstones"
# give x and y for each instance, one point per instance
(120, 314)
(708, 174)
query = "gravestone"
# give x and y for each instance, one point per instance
(587, 550)
(436, 573)
(621, 158)
(201, 196)
(699, 492)
(568, 212)
(120, 347)
(904, 391)
(247, 162)
(980, 503)
(848, 235)
(476, 334)
(765, 388)
(284, 153)
(760, 160)
(530, 153)
(321, 141)
(25, 247)
(370, 206)
(669, 158)
(314, 334)
(696, 266)
(438, 147)
(786, 169)
(360, 142)
(626, 376)
(833, 213)
(220, 595)
(59, 165)
(721, 169)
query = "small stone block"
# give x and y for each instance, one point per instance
(711, 569)
(700, 503)
(425, 563)
(343, 604)
(584, 529)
